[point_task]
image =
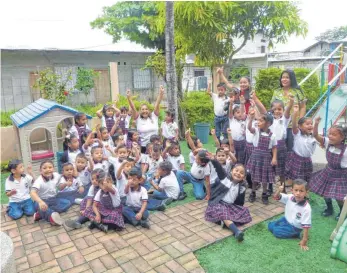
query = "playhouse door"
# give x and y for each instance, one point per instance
(102, 87)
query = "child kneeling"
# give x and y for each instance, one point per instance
(297, 214)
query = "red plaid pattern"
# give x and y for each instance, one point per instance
(281, 157)
(298, 167)
(240, 147)
(223, 211)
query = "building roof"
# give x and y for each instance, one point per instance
(37, 109)
(249, 56)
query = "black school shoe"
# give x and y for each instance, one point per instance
(182, 196)
(92, 225)
(327, 212)
(239, 236)
(251, 197)
(71, 224)
(145, 224)
(265, 199)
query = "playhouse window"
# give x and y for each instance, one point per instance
(41, 144)
(63, 128)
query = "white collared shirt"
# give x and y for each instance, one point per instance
(249, 135)
(176, 161)
(115, 197)
(297, 214)
(279, 127)
(304, 145)
(104, 165)
(47, 189)
(233, 192)
(72, 155)
(153, 164)
(73, 130)
(121, 183)
(170, 185)
(76, 183)
(200, 172)
(22, 187)
(191, 158)
(169, 129)
(84, 176)
(335, 150)
(147, 127)
(238, 129)
(135, 197)
(257, 133)
(218, 104)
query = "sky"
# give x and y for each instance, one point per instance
(65, 24)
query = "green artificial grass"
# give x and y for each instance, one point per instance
(262, 252)
(4, 198)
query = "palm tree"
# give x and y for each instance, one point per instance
(171, 77)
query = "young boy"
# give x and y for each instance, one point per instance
(135, 211)
(220, 115)
(17, 189)
(297, 214)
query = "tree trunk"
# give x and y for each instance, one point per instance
(171, 78)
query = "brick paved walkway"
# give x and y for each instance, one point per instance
(167, 247)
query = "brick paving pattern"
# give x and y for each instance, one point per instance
(167, 247)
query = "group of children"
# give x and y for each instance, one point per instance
(117, 173)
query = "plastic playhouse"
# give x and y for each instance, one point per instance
(339, 246)
(39, 131)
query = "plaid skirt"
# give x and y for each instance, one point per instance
(108, 216)
(329, 183)
(248, 151)
(260, 168)
(223, 211)
(83, 204)
(298, 167)
(240, 148)
(281, 157)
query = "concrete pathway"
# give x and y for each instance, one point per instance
(167, 247)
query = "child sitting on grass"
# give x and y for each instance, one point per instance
(297, 215)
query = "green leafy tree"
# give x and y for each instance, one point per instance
(335, 34)
(237, 72)
(86, 80)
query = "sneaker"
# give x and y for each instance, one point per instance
(265, 199)
(162, 207)
(92, 225)
(55, 219)
(37, 216)
(251, 197)
(71, 224)
(167, 201)
(222, 224)
(78, 201)
(102, 227)
(239, 236)
(182, 196)
(144, 224)
(327, 212)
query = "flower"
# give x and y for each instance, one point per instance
(66, 93)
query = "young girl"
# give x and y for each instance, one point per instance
(118, 139)
(97, 176)
(299, 164)
(264, 156)
(17, 187)
(133, 137)
(238, 126)
(70, 187)
(172, 153)
(99, 161)
(122, 178)
(169, 128)
(107, 208)
(44, 194)
(146, 122)
(80, 128)
(331, 182)
(108, 116)
(106, 140)
(227, 199)
(124, 120)
(83, 170)
(71, 149)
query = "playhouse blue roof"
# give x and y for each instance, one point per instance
(37, 109)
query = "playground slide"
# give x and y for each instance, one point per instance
(337, 105)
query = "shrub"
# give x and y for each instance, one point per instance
(4, 166)
(5, 118)
(198, 107)
(267, 81)
(239, 71)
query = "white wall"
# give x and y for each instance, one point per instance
(188, 79)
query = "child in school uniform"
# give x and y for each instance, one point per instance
(80, 128)
(97, 177)
(297, 216)
(124, 120)
(108, 115)
(237, 125)
(106, 211)
(17, 188)
(227, 198)
(69, 186)
(169, 128)
(71, 149)
(44, 194)
(83, 168)
(193, 143)
(134, 211)
(264, 156)
(122, 178)
(299, 162)
(172, 154)
(107, 141)
(153, 160)
(331, 182)
(99, 161)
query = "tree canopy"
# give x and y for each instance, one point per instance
(335, 34)
(207, 29)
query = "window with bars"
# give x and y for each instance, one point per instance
(199, 73)
(142, 78)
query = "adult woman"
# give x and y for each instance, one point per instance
(146, 122)
(289, 86)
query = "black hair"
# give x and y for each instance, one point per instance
(276, 101)
(103, 129)
(302, 120)
(221, 84)
(195, 141)
(78, 116)
(13, 164)
(134, 171)
(115, 137)
(247, 93)
(104, 109)
(122, 146)
(148, 146)
(203, 157)
(219, 150)
(68, 140)
(171, 114)
(293, 82)
(300, 182)
(166, 166)
(239, 165)
(236, 107)
(94, 148)
(100, 175)
(46, 161)
(342, 129)
(131, 132)
(174, 144)
(66, 164)
(268, 118)
(81, 156)
(225, 141)
(156, 148)
(123, 109)
(154, 138)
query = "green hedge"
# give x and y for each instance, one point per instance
(267, 81)
(198, 107)
(5, 118)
